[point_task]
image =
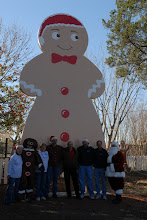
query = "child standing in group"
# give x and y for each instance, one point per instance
(42, 176)
(14, 174)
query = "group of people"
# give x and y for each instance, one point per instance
(77, 164)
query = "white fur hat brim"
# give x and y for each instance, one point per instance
(85, 140)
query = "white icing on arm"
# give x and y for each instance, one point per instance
(31, 87)
(94, 86)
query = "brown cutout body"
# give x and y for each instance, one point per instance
(47, 80)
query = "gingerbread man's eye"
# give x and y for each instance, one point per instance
(74, 37)
(55, 35)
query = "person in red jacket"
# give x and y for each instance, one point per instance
(70, 167)
(115, 171)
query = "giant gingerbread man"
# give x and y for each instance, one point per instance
(64, 81)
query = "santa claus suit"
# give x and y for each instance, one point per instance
(31, 159)
(115, 169)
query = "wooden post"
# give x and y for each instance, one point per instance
(6, 170)
(6, 146)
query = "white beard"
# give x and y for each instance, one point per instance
(112, 152)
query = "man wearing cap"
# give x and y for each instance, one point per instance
(115, 171)
(85, 159)
(55, 154)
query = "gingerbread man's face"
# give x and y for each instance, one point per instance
(64, 35)
(65, 40)
(30, 143)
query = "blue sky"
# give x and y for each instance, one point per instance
(30, 14)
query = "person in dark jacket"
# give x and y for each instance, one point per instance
(85, 159)
(70, 166)
(55, 154)
(100, 163)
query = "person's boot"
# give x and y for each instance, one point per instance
(117, 200)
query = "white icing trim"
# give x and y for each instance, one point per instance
(31, 87)
(40, 165)
(29, 190)
(21, 191)
(94, 86)
(109, 173)
(112, 167)
(41, 40)
(27, 149)
(119, 192)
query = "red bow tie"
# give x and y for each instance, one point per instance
(57, 58)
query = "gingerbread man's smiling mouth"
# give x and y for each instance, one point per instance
(64, 48)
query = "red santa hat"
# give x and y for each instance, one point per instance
(16, 146)
(56, 20)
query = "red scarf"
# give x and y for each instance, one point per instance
(71, 153)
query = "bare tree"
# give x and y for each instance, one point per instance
(137, 126)
(115, 103)
(15, 50)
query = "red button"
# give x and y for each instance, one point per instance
(64, 90)
(65, 113)
(64, 137)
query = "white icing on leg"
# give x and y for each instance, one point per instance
(94, 86)
(31, 87)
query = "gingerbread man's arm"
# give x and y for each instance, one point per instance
(96, 83)
(99, 85)
(28, 79)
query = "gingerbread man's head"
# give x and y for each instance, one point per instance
(30, 143)
(63, 34)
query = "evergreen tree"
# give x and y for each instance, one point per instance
(127, 40)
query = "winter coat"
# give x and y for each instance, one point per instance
(15, 166)
(55, 154)
(85, 155)
(67, 162)
(100, 158)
